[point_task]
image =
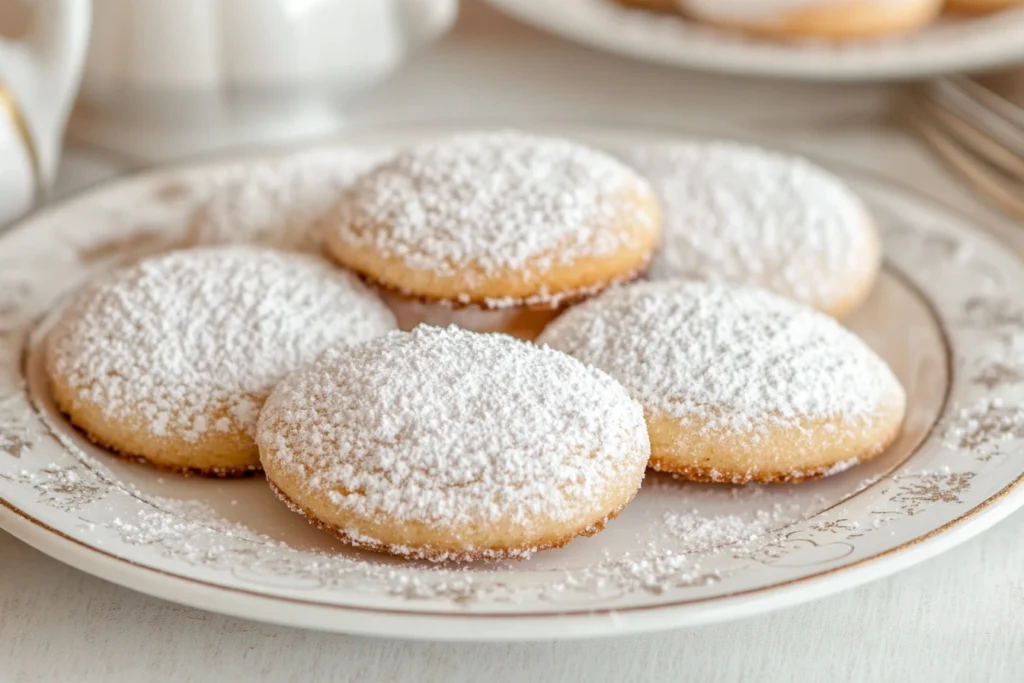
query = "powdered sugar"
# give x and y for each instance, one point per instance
(747, 216)
(278, 203)
(740, 360)
(700, 533)
(449, 427)
(190, 334)
(487, 202)
(654, 571)
(985, 425)
(840, 467)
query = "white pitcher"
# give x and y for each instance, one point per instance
(168, 78)
(39, 76)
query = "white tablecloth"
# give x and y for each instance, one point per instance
(956, 618)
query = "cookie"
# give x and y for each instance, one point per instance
(828, 19)
(170, 360)
(445, 444)
(738, 385)
(276, 203)
(496, 221)
(743, 215)
(981, 6)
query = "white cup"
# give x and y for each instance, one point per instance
(167, 78)
(39, 75)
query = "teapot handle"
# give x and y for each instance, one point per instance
(425, 20)
(39, 77)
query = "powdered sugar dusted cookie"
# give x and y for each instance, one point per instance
(738, 385)
(496, 221)
(446, 444)
(834, 19)
(747, 216)
(170, 360)
(277, 203)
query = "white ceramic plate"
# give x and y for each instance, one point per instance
(952, 44)
(948, 315)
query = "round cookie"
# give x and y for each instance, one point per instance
(747, 216)
(829, 19)
(981, 6)
(170, 360)
(738, 385)
(445, 444)
(277, 203)
(496, 221)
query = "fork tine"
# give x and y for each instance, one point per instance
(987, 183)
(986, 111)
(982, 93)
(978, 141)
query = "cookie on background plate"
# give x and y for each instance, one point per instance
(827, 19)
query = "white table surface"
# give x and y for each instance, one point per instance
(955, 618)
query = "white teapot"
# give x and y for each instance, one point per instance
(39, 75)
(167, 78)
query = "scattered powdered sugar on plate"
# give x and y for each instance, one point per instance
(481, 203)
(984, 425)
(278, 203)
(700, 533)
(176, 338)
(449, 428)
(748, 216)
(196, 533)
(740, 360)
(654, 571)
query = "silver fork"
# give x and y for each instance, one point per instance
(978, 133)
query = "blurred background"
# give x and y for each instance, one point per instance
(115, 85)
